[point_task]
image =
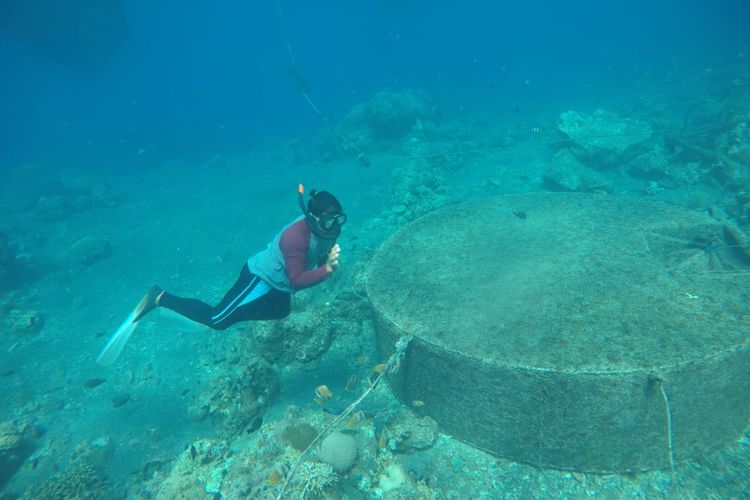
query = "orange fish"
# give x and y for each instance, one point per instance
(355, 419)
(378, 369)
(322, 394)
(361, 360)
(277, 474)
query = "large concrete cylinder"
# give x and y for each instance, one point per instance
(574, 331)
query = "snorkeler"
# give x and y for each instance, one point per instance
(302, 255)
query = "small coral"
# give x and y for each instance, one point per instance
(87, 251)
(24, 322)
(392, 478)
(81, 479)
(314, 478)
(10, 439)
(338, 450)
(14, 449)
(299, 436)
(199, 470)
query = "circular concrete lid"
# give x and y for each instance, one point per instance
(564, 282)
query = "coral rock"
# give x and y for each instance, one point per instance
(338, 450)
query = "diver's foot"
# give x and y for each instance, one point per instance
(148, 302)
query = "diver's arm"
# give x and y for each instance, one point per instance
(294, 244)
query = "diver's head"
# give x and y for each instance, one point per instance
(323, 213)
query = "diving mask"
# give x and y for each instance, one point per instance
(326, 225)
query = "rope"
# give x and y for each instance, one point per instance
(364, 158)
(392, 366)
(302, 86)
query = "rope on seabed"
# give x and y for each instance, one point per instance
(690, 110)
(392, 366)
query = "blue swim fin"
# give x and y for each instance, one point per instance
(117, 342)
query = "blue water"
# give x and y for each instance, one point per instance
(184, 80)
(162, 142)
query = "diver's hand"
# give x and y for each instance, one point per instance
(333, 258)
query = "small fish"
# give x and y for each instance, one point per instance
(184, 392)
(322, 394)
(277, 474)
(120, 400)
(355, 419)
(93, 382)
(351, 384)
(417, 403)
(193, 452)
(333, 410)
(255, 425)
(520, 214)
(361, 360)
(382, 441)
(378, 369)
(99, 334)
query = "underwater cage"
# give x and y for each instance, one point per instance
(574, 331)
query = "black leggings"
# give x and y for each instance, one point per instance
(250, 298)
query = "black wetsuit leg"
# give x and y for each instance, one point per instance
(250, 298)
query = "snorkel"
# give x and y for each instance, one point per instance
(314, 221)
(301, 198)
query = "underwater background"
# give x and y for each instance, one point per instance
(162, 142)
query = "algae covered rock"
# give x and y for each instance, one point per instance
(13, 450)
(389, 116)
(87, 251)
(237, 397)
(407, 433)
(80, 480)
(416, 190)
(23, 322)
(655, 165)
(388, 119)
(603, 139)
(299, 436)
(198, 472)
(567, 173)
(303, 336)
(83, 476)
